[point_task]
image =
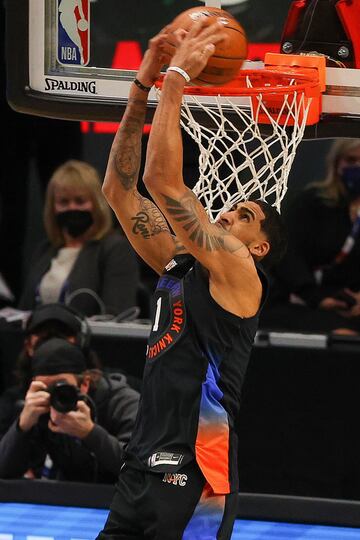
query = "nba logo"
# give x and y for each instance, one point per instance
(73, 32)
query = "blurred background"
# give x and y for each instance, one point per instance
(35, 146)
(298, 430)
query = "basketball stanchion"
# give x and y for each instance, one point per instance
(249, 129)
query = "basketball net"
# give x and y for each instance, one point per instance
(239, 158)
(256, 166)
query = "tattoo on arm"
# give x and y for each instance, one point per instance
(149, 221)
(179, 247)
(126, 148)
(185, 212)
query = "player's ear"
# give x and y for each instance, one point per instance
(259, 249)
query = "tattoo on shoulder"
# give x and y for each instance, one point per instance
(185, 212)
(149, 221)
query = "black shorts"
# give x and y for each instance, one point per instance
(168, 506)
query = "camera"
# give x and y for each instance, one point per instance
(64, 396)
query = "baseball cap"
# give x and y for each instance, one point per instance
(56, 356)
(54, 312)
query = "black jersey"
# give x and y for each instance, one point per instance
(197, 357)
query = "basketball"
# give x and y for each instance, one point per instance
(229, 55)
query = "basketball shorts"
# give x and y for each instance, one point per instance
(168, 506)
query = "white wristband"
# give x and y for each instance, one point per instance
(181, 71)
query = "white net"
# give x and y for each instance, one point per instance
(238, 158)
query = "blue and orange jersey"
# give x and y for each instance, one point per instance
(197, 356)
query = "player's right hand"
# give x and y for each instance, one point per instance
(159, 52)
(196, 47)
(37, 402)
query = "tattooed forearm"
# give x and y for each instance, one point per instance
(149, 221)
(206, 237)
(126, 149)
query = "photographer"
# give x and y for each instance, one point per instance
(74, 422)
(45, 322)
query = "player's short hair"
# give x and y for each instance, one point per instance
(274, 228)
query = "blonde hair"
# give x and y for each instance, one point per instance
(77, 174)
(331, 188)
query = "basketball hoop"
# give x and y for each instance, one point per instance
(252, 128)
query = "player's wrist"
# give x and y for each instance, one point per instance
(179, 72)
(148, 74)
(143, 84)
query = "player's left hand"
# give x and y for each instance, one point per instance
(74, 423)
(196, 47)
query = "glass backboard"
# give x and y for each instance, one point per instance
(76, 59)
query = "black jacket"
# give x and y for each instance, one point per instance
(317, 232)
(97, 458)
(108, 267)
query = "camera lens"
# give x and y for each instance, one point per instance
(63, 397)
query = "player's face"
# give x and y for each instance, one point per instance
(66, 198)
(244, 222)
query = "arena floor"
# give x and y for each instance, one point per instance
(42, 522)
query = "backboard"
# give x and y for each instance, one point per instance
(63, 57)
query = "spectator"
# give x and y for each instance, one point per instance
(78, 439)
(83, 263)
(46, 321)
(318, 281)
(53, 320)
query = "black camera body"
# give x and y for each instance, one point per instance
(64, 396)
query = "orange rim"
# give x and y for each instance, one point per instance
(301, 76)
(265, 81)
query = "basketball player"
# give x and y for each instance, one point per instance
(180, 477)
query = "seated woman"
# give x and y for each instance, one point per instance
(318, 281)
(84, 263)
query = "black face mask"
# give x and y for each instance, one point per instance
(75, 222)
(351, 180)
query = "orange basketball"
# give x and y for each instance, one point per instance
(229, 55)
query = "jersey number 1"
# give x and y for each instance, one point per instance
(155, 328)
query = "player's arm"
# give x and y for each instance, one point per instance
(143, 223)
(219, 251)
